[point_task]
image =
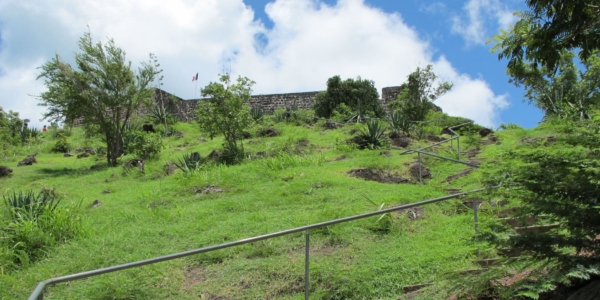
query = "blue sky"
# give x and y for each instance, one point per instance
(283, 45)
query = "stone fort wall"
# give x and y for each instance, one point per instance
(184, 110)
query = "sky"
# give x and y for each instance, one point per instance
(285, 46)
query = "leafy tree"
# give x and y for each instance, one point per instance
(10, 128)
(417, 95)
(226, 113)
(568, 91)
(549, 28)
(101, 91)
(561, 181)
(358, 94)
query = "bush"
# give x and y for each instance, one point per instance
(399, 123)
(359, 95)
(35, 223)
(61, 145)
(145, 144)
(372, 135)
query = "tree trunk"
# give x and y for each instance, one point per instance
(113, 149)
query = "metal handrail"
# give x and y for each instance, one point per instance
(38, 293)
(455, 136)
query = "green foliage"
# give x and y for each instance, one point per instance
(143, 144)
(102, 90)
(473, 140)
(226, 113)
(285, 160)
(372, 134)
(510, 126)
(10, 129)
(416, 97)
(549, 28)
(360, 95)
(567, 91)
(399, 123)
(559, 180)
(28, 206)
(36, 223)
(190, 162)
(256, 113)
(61, 145)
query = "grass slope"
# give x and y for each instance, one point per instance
(151, 214)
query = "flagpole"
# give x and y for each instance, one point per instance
(196, 89)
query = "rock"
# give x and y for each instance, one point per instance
(82, 155)
(90, 150)
(148, 128)
(5, 171)
(97, 166)
(588, 292)
(550, 140)
(28, 161)
(135, 162)
(414, 171)
(67, 155)
(79, 150)
(216, 155)
(485, 132)
(106, 192)
(97, 203)
(201, 140)
(169, 168)
(329, 124)
(493, 138)
(246, 135)
(446, 130)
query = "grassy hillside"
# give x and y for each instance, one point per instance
(300, 177)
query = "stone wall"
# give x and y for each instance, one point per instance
(184, 110)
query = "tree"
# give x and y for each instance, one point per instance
(358, 94)
(561, 182)
(226, 113)
(102, 90)
(417, 95)
(568, 91)
(10, 129)
(550, 27)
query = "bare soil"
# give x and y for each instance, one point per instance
(377, 175)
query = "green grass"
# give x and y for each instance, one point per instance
(151, 214)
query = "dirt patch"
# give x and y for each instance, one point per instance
(412, 213)
(434, 138)
(377, 175)
(193, 277)
(548, 140)
(471, 153)
(209, 189)
(169, 168)
(353, 131)
(330, 124)
(385, 153)
(401, 141)
(414, 171)
(459, 175)
(267, 132)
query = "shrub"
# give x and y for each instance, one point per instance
(399, 123)
(190, 162)
(143, 144)
(61, 145)
(359, 95)
(256, 113)
(372, 134)
(35, 224)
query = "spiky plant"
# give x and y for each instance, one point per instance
(256, 113)
(372, 134)
(399, 123)
(190, 162)
(27, 206)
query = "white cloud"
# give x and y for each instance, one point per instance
(309, 42)
(474, 23)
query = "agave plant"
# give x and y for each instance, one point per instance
(399, 123)
(190, 162)
(372, 134)
(256, 113)
(27, 206)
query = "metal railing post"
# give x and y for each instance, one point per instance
(420, 177)
(458, 147)
(476, 220)
(307, 265)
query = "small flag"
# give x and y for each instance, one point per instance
(194, 78)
